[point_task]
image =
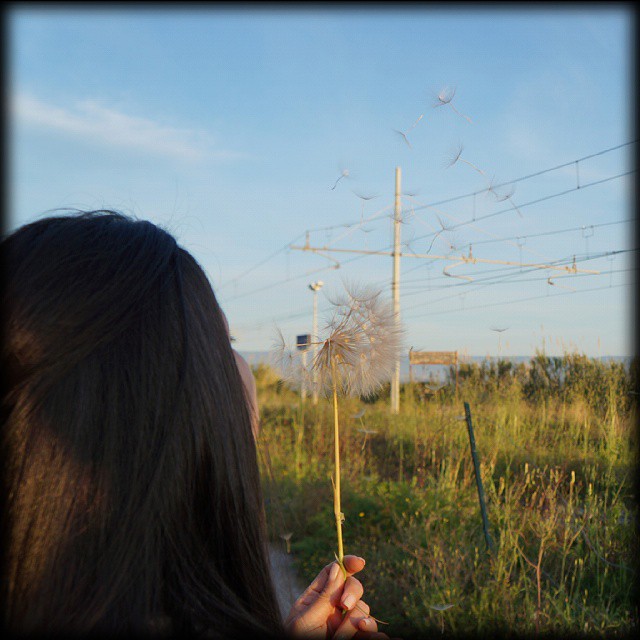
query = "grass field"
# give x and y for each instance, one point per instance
(557, 445)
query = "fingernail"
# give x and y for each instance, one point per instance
(349, 602)
(363, 560)
(333, 573)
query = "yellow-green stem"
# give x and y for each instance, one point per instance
(336, 485)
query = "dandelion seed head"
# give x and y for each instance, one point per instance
(362, 344)
(357, 349)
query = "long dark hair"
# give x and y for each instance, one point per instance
(133, 495)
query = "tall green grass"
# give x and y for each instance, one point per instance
(557, 444)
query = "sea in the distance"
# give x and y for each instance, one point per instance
(425, 372)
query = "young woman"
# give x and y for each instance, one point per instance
(132, 499)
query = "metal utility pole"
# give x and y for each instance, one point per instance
(315, 287)
(395, 290)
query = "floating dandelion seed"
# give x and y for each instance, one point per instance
(364, 199)
(445, 97)
(504, 196)
(404, 137)
(514, 206)
(416, 122)
(499, 331)
(284, 358)
(501, 197)
(287, 538)
(451, 233)
(409, 246)
(404, 134)
(457, 156)
(555, 284)
(367, 433)
(453, 239)
(344, 174)
(360, 413)
(491, 187)
(363, 196)
(443, 227)
(440, 607)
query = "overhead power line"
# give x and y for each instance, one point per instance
(498, 276)
(277, 283)
(305, 313)
(507, 302)
(532, 175)
(520, 206)
(510, 280)
(396, 253)
(472, 287)
(379, 213)
(423, 287)
(259, 264)
(505, 183)
(549, 233)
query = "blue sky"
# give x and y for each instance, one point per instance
(230, 128)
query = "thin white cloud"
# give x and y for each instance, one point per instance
(101, 124)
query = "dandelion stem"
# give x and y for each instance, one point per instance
(336, 485)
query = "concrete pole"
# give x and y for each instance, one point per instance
(303, 385)
(314, 338)
(395, 290)
(315, 287)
